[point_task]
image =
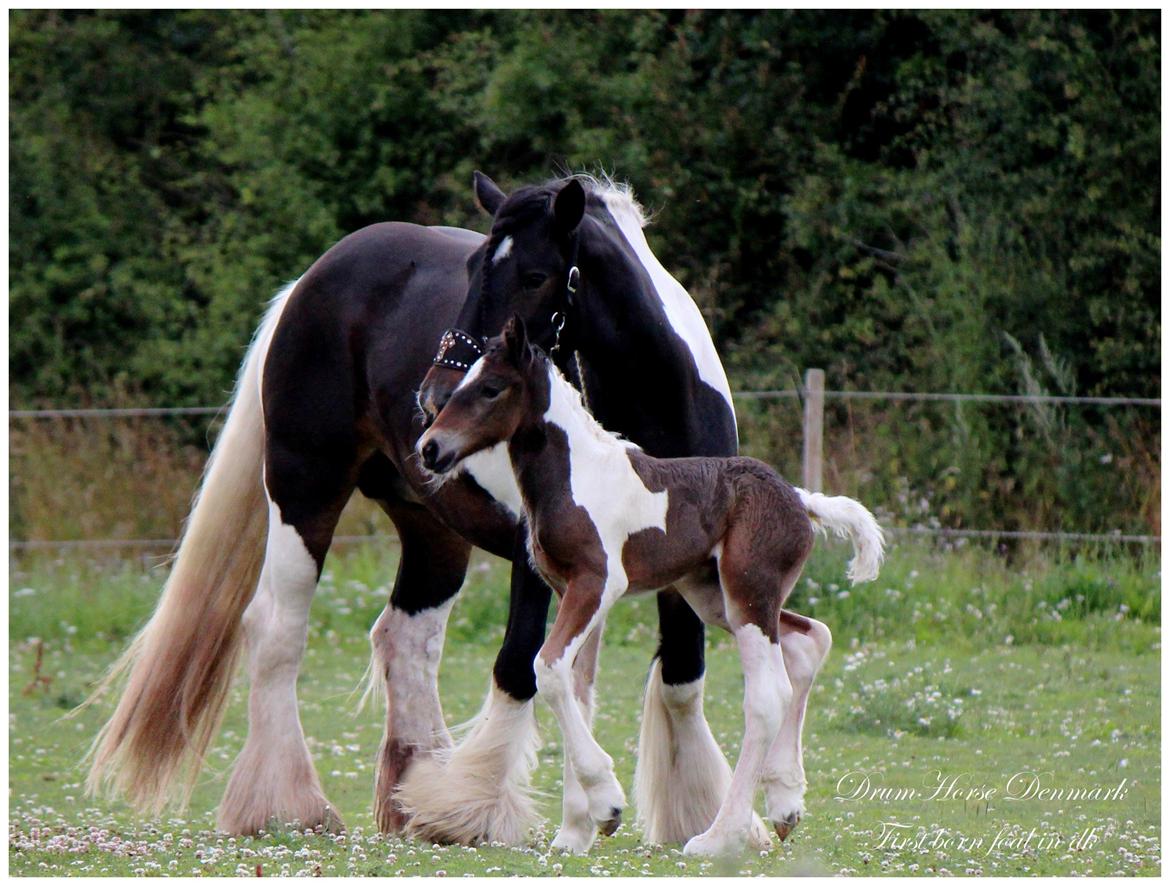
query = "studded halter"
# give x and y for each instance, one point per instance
(458, 350)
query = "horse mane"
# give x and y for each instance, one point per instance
(600, 191)
(617, 196)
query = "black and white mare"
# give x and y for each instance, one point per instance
(326, 404)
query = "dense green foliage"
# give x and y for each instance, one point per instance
(914, 201)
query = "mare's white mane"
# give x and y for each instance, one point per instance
(618, 196)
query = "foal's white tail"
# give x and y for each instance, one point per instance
(846, 517)
(181, 663)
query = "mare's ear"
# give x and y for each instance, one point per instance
(516, 340)
(487, 194)
(569, 206)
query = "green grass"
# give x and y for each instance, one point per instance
(954, 665)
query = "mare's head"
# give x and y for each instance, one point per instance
(526, 267)
(488, 405)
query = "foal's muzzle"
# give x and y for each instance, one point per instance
(434, 457)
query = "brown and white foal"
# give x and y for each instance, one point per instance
(605, 519)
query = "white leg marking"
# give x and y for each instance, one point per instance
(274, 776)
(591, 764)
(404, 670)
(478, 791)
(407, 652)
(767, 694)
(577, 826)
(784, 780)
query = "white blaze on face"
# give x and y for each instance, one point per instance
(473, 373)
(503, 250)
(491, 468)
(603, 481)
(681, 311)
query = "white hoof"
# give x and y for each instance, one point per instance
(785, 807)
(714, 842)
(606, 802)
(573, 840)
(758, 837)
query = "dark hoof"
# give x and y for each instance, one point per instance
(611, 824)
(787, 825)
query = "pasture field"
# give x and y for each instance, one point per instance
(976, 716)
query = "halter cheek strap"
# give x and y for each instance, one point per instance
(458, 350)
(572, 283)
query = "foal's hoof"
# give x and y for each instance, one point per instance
(758, 837)
(713, 843)
(787, 825)
(611, 824)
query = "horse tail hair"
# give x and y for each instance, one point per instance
(179, 667)
(849, 518)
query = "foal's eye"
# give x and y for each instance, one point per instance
(533, 279)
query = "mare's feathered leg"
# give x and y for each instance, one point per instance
(407, 642)
(480, 790)
(274, 781)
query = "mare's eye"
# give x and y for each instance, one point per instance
(533, 279)
(490, 392)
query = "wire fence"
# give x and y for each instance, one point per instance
(780, 394)
(19, 545)
(796, 393)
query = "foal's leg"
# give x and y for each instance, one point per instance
(682, 775)
(407, 642)
(582, 609)
(274, 781)
(757, 571)
(806, 643)
(577, 827)
(767, 693)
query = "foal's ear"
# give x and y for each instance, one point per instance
(487, 194)
(569, 206)
(516, 340)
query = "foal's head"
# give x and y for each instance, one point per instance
(489, 404)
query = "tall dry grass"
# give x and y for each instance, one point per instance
(931, 464)
(977, 465)
(119, 478)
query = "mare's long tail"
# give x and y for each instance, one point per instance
(180, 665)
(849, 518)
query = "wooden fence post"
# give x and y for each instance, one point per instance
(814, 424)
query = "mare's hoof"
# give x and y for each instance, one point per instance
(787, 825)
(611, 824)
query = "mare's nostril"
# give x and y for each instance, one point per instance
(429, 452)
